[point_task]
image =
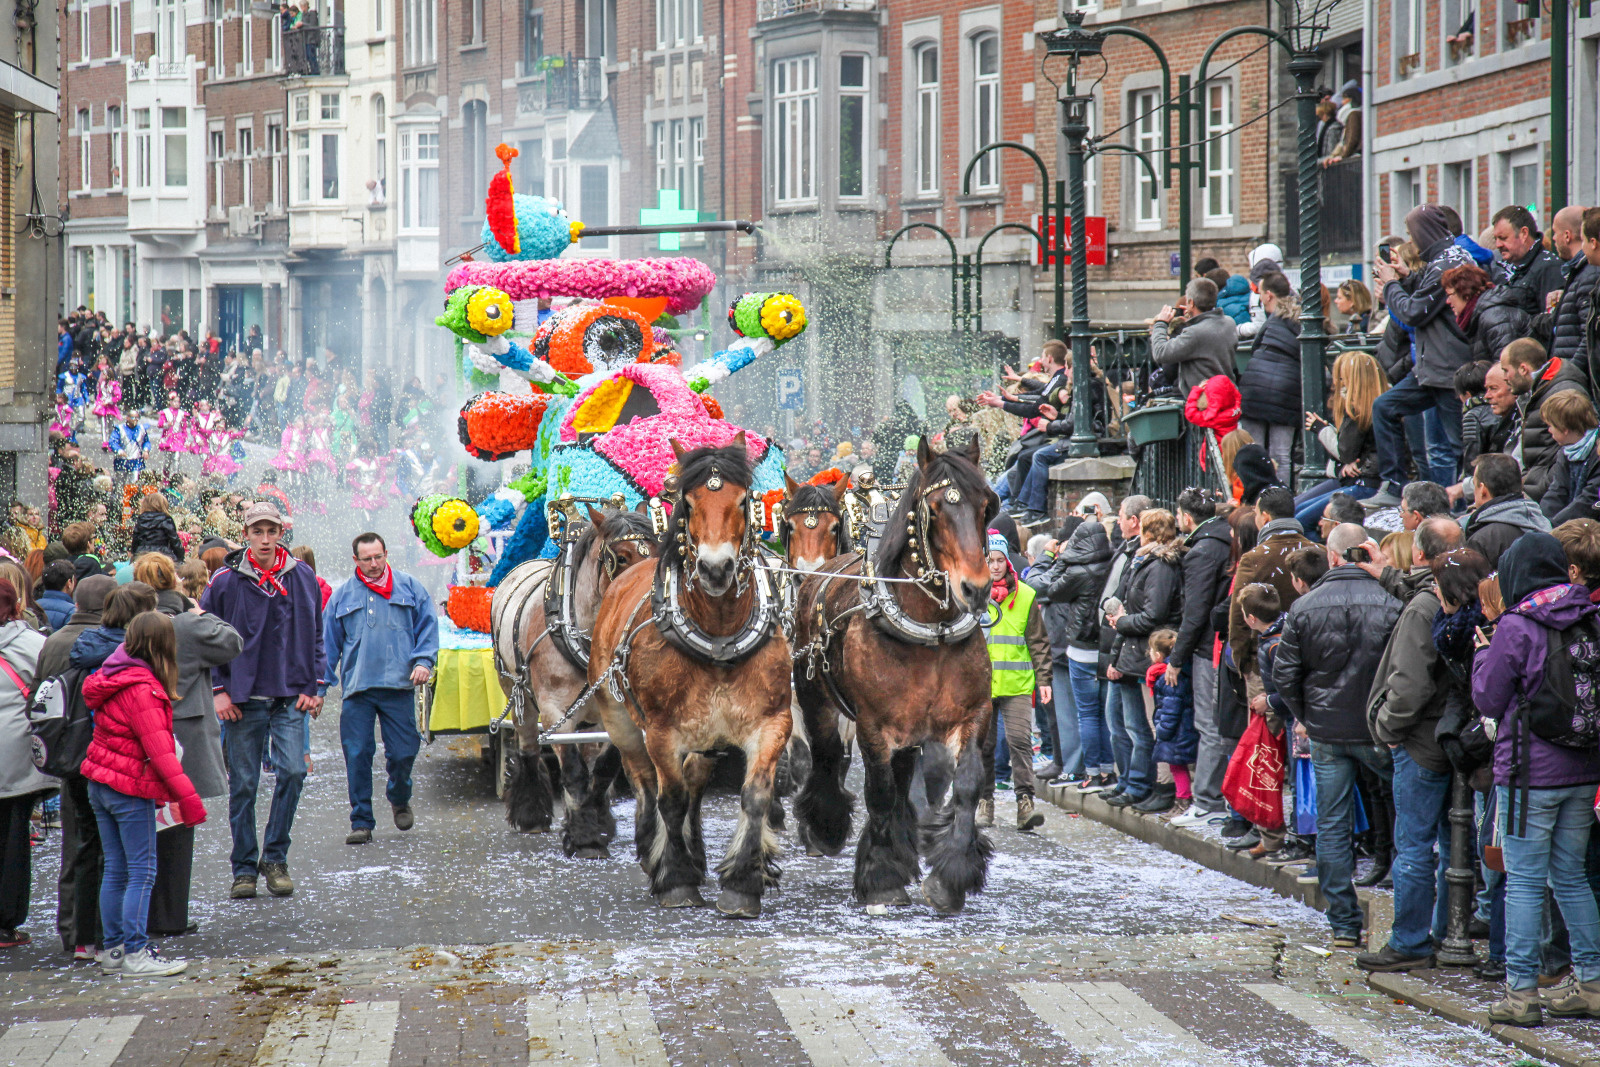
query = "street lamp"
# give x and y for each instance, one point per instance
(1075, 43)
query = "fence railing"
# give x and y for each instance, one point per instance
(574, 83)
(314, 51)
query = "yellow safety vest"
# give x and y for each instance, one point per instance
(1008, 644)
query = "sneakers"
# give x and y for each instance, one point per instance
(244, 887)
(1347, 940)
(148, 963)
(110, 960)
(1195, 815)
(13, 938)
(403, 819)
(1250, 840)
(1291, 856)
(84, 953)
(360, 836)
(1387, 496)
(1574, 999)
(1097, 783)
(1122, 800)
(986, 811)
(279, 884)
(1520, 1007)
(1046, 771)
(1491, 970)
(1389, 959)
(1157, 802)
(1027, 818)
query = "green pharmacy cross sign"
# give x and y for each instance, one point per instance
(667, 212)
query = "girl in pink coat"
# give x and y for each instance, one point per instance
(107, 396)
(173, 424)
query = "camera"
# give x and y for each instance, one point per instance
(1358, 554)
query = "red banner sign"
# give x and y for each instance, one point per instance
(1094, 232)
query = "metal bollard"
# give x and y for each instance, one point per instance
(1456, 949)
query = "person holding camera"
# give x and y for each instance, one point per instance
(1207, 344)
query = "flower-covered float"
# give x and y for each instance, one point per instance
(605, 396)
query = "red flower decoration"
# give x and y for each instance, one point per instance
(468, 607)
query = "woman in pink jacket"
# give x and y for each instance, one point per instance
(132, 766)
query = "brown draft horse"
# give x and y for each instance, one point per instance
(912, 664)
(694, 659)
(551, 646)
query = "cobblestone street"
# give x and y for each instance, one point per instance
(462, 942)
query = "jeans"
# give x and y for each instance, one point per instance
(1211, 757)
(1278, 439)
(1131, 737)
(1553, 853)
(1069, 753)
(1088, 697)
(1001, 484)
(1309, 505)
(245, 744)
(1334, 765)
(128, 836)
(1421, 821)
(394, 711)
(1409, 398)
(1035, 494)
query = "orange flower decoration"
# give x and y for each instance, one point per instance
(468, 607)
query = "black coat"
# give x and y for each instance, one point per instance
(1269, 388)
(1496, 321)
(1562, 329)
(1152, 598)
(154, 531)
(1539, 449)
(1493, 526)
(1478, 426)
(1205, 585)
(1333, 640)
(1072, 585)
(1574, 490)
(1420, 304)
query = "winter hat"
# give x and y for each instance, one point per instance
(90, 593)
(1266, 251)
(997, 543)
(1534, 561)
(1263, 267)
(1091, 501)
(1255, 471)
(1427, 225)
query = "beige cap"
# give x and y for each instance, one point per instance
(262, 511)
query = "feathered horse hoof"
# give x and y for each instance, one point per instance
(945, 900)
(736, 905)
(683, 896)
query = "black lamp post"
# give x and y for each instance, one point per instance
(1075, 43)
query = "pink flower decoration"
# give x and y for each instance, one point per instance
(682, 280)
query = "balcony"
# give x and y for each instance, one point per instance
(313, 52)
(777, 9)
(152, 69)
(560, 83)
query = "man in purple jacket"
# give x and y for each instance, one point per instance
(265, 693)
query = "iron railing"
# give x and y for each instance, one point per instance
(777, 9)
(574, 83)
(1341, 209)
(313, 51)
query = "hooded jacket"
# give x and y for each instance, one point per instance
(20, 646)
(283, 652)
(1533, 577)
(1562, 328)
(132, 749)
(1203, 350)
(1528, 281)
(154, 531)
(57, 607)
(1333, 641)
(204, 642)
(1574, 489)
(1152, 599)
(1172, 719)
(1270, 384)
(1492, 527)
(1073, 583)
(1497, 320)
(1207, 554)
(1440, 347)
(1234, 299)
(1408, 694)
(94, 647)
(1539, 449)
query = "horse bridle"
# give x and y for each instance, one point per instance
(755, 516)
(880, 605)
(610, 562)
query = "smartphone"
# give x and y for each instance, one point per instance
(1385, 254)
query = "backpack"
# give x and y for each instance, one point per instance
(60, 723)
(1565, 709)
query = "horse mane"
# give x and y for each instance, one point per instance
(632, 522)
(820, 496)
(963, 474)
(694, 470)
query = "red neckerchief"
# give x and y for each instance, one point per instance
(999, 591)
(270, 574)
(383, 588)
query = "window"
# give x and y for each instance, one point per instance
(532, 36)
(663, 157)
(330, 107)
(380, 145)
(600, 28)
(680, 160)
(114, 126)
(1406, 187)
(594, 200)
(925, 135)
(302, 168)
(84, 51)
(695, 194)
(677, 22)
(275, 43)
(244, 138)
(1147, 120)
(986, 107)
(218, 39)
(247, 44)
(558, 169)
(474, 21)
(330, 166)
(852, 126)
(143, 168)
(422, 208)
(84, 181)
(274, 161)
(474, 115)
(1408, 29)
(302, 108)
(169, 31)
(530, 167)
(1459, 189)
(217, 149)
(794, 99)
(1523, 178)
(378, 15)
(175, 147)
(1460, 28)
(419, 43)
(1219, 154)
(115, 8)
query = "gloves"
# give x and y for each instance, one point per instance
(192, 810)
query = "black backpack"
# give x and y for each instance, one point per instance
(61, 724)
(1565, 709)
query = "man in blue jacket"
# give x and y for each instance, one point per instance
(266, 692)
(382, 636)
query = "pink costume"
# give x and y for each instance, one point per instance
(367, 490)
(174, 426)
(317, 449)
(291, 451)
(108, 399)
(204, 436)
(63, 420)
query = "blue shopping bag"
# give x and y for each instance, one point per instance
(1305, 801)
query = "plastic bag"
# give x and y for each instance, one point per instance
(1254, 781)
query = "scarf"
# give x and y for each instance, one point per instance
(269, 576)
(1464, 316)
(1452, 634)
(1577, 451)
(384, 587)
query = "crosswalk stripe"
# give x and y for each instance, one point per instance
(331, 1035)
(60, 1042)
(602, 1029)
(1113, 1025)
(871, 1028)
(1365, 1040)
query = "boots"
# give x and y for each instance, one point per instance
(1519, 1008)
(1027, 818)
(1380, 870)
(1574, 999)
(986, 811)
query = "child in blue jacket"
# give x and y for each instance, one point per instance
(1177, 743)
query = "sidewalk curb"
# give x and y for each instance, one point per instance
(1458, 1009)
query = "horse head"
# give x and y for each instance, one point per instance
(625, 538)
(941, 523)
(813, 529)
(711, 523)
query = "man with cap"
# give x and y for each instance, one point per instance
(1019, 654)
(78, 882)
(264, 694)
(382, 637)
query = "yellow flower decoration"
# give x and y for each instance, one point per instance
(783, 317)
(599, 412)
(577, 230)
(455, 524)
(489, 311)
